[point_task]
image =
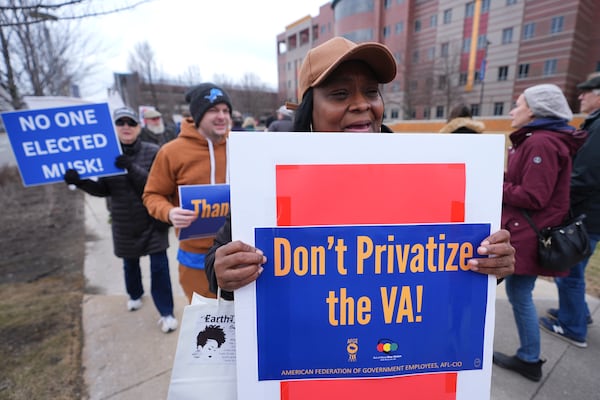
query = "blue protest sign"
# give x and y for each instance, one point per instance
(369, 301)
(47, 142)
(211, 205)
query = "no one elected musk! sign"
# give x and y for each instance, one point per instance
(47, 142)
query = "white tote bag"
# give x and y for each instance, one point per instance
(204, 365)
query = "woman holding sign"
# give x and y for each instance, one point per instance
(339, 85)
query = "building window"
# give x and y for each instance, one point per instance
(474, 109)
(345, 9)
(499, 108)
(557, 24)
(387, 4)
(466, 44)
(445, 49)
(415, 57)
(418, 25)
(386, 31)
(447, 16)
(529, 30)
(485, 6)
(507, 34)
(398, 57)
(439, 111)
(503, 73)
(511, 2)
(482, 41)
(442, 81)
(469, 9)
(433, 20)
(523, 71)
(597, 66)
(550, 67)
(304, 37)
(431, 53)
(462, 79)
(426, 113)
(399, 27)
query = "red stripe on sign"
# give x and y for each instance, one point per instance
(426, 387)
(370, 194)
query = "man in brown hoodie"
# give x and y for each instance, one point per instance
(197, 156)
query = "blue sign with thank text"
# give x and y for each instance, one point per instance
(211, 205)
(47, 142)
(369, 301)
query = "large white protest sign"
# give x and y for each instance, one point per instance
(366, 290)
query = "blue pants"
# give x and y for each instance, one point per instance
(573, 310)
(160, 281)
(519, 289)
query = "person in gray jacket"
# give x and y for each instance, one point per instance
(135, 233)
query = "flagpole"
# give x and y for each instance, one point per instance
(483, 74)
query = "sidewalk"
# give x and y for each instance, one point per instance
(127, 357)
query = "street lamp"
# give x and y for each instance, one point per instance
(482, 69)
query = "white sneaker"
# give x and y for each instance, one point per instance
(167, 323)
(133, 305)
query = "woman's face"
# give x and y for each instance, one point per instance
(521, 114)
(348, 101)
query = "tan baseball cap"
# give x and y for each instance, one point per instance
(323, 59)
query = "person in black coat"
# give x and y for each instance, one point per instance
(135, 233)
(571, 319)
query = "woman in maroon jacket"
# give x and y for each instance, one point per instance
(537, 180)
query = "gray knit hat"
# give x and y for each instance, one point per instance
(203, 97)
(547, 100)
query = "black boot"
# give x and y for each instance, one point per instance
(529, 370)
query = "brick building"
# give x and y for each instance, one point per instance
(169, 97)
(440, 60)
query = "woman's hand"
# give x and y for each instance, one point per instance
(501, 260)
(237, 264)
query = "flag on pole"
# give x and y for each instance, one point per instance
(482, 69)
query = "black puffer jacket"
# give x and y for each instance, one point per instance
(223, 237)
(135, 233)
(585, 178)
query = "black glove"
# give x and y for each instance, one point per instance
(71, 177)
(123, 162)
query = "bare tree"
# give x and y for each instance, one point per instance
(191, 76)
(43, 53)
(142, 61)
(448, 90)
(251, 96)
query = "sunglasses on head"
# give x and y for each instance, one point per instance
(122, 122)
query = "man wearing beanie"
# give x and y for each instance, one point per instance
(571, 319)
(197, 156)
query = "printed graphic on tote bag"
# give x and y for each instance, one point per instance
(215, 341)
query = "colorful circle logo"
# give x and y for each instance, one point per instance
(386, 346)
